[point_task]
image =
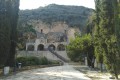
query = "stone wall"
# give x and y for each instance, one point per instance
(46, 54)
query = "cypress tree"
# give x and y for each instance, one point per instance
(97, 35)
(107, 38)
(13, 32)
(5, 12)
(8, 23)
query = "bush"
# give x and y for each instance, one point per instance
(22, 60)
(79, 47)
(75, 56)
(44, 61)
(33, 61)
(29, 61)
(54, 62)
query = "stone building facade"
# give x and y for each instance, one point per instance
(54, 37)
(55, 40)
(40, 46)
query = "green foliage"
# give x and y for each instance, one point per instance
(29, 61)
(44, 61)
(54, 62)
(79, 47)
(8, 23)
(72, 15)
(21, 60)
(4, 31)
(90, 24)
(106, 35)
(13, 32)
(23, 34)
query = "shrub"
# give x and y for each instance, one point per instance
(22, 60)
(28, 61)
(44, 61)
(33, 61)
(54, 62)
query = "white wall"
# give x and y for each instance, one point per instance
(46, 54)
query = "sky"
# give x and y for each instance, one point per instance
(32, 4)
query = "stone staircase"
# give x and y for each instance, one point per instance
(58, 56)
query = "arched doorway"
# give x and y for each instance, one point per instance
(40, 47)
(61, 47)
(30, 48)
(52, 47)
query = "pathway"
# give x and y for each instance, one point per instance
(65, 72)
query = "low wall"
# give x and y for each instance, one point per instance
(46, 54)
(63, 54)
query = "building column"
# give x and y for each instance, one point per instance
(26, 47)
(56, 44)
(36, 46)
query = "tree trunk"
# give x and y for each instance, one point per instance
(116, 76)
(116, 73)
(101, 69)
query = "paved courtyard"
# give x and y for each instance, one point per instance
(65, 72)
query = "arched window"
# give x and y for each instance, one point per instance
(61, 47)
(30, 48)
(52, 47)
(40, 47)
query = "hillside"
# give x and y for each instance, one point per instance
(55, 17)
(74, 16)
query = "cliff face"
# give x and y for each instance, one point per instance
(74, 16)
(52, 18)
(56, 31)
(54, 27)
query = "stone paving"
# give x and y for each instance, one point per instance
(65, 72)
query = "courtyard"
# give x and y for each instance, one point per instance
(65, 72)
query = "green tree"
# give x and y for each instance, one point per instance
(80, 47)
(97, 36)
(75, 49)
(8, 23)
(105, 35)
(13, 32)
(5, 22)
(24, 34)
(90, 24)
